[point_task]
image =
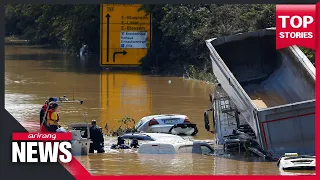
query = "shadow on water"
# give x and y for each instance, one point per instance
(81, 65)
(59, 61)
(39, 57)
(68, 63)
(242, 157)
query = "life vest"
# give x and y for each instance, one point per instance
(52, 116)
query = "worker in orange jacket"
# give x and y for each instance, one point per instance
(53, 118)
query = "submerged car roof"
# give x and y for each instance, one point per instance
(137, 136)
(172, 143)
(162, 115)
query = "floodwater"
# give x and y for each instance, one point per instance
(33, 74)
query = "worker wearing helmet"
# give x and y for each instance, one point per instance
(54, 101)
(53, 118)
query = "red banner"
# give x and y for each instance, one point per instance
(317, 27)
(296, 25)
(41, 136)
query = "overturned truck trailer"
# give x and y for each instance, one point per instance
(272, 91)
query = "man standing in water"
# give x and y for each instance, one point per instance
(96, 136)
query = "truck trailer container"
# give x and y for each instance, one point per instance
(272, 91)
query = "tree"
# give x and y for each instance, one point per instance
(62, 26)
(179, 31)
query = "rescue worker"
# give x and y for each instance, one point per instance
(51, 103)
(121, 144)
(121, 141)
(53, 118)
(134, 143)
(96, 136)
(44, 114)
(44, 109)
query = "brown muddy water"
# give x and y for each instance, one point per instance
(32, 74)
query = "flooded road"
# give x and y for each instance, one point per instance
(33, 74)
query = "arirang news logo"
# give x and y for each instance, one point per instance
(296, 25)
(45, 147)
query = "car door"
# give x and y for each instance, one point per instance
(151, 148)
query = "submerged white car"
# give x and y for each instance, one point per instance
(134, 140)
(176, 147)
(167, 123)
(161, 143)
(293, 161)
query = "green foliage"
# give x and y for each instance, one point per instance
(310, 54)
(180, 31)
(205, 74)
(63, 26)
(126, 120)
(123, 128)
